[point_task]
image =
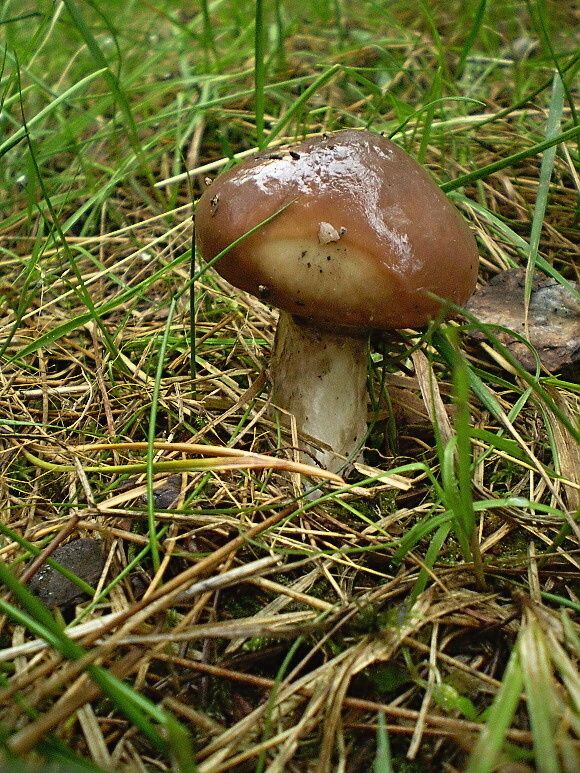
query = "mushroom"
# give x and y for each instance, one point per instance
(363, 239)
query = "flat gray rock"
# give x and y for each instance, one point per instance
(82, 557)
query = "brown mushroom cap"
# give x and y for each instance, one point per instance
(367, 233)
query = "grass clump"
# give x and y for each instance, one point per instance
(422, 617)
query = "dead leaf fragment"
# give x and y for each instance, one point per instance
(553, 319)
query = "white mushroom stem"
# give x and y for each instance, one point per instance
(319, 377)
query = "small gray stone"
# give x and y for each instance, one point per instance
(82, 557)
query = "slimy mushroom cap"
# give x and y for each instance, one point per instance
(363, 234)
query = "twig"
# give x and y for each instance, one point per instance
(445, 724)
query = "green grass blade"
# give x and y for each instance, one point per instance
(125, 571)
(28, 290)
(383, 762)
(488, 746)
(80, 288)
(496, 166)
(540, 693)
(435, 546)
(47, 339)
(112, 79)
(472, 37)
(22, 133)
(208, 33)
(35, 551)
(259, 72)
(541, 22)
(298, 105)
(519, 243)
(419, 531)
(152, 436)
(37, 618)
(547, 165)
(461, 389)
(482, 391)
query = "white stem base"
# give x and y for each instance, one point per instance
(320, 377)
